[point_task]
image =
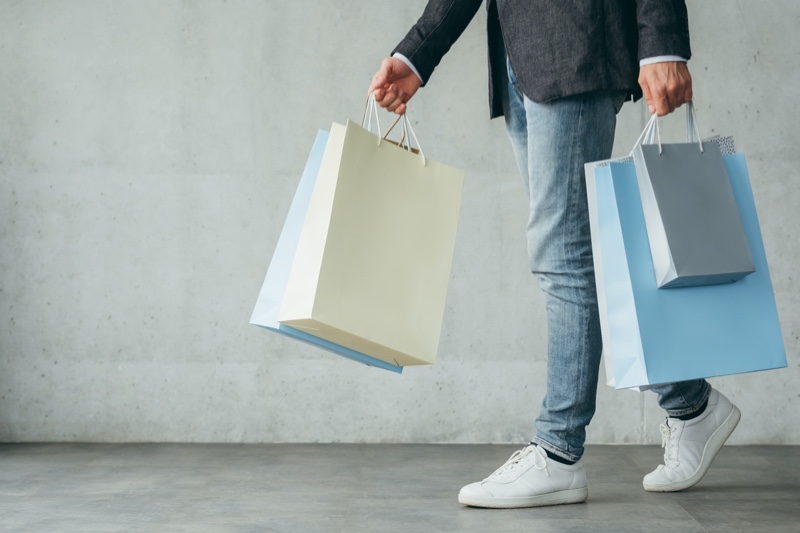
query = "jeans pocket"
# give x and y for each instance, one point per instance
(617, 99)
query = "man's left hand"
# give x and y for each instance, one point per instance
(666, 86)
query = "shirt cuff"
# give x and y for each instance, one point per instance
(405, 60)
(661, 59)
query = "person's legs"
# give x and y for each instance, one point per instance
(552, 142)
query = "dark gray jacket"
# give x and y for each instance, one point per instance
(557, 47)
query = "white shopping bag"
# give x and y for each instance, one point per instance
(373, 261)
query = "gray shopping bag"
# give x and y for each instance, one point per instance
(693, 224)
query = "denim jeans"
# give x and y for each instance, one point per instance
(551, 142)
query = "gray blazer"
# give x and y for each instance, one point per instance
(557, 47)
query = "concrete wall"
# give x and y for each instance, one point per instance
(149, 151)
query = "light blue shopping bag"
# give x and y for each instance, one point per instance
(269, 301)
(655, 336)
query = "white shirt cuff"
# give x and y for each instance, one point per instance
(405, 60)
(660, 59)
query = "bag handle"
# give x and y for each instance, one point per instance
(366, 121)
(692, 130)
(371, 109)
(405, 140)
(652, 132)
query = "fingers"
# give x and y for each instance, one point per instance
(687, 90)
(381, 77)
(660, 99)
(666, 86)
(391, 98)
(393, 85)
(648, 96)
(664, 103)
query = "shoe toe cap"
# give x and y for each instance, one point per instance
(476, 490)
(663, 476)
(656, 477)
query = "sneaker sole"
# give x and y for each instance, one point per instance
(554, 498)
(713, 446)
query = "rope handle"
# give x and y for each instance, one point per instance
(652, 132)
(371, 109)
(405, 140)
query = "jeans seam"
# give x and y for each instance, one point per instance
(571, 229)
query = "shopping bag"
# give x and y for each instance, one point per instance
(373, 260)
(609, 245)
(270, 298)
(653, 336)
(693, 224)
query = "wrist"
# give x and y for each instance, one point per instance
(409, 64)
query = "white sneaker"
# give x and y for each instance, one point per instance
(528, 479)
(691, 445)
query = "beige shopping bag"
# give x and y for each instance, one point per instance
(373, 261)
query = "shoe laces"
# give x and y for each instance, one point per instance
(514, 462)
(667, 441)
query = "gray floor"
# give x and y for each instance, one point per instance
(369, 488)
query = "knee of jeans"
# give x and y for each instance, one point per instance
(574, 286)
(570, 263)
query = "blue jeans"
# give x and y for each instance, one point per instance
(551, 142)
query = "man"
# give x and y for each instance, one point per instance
(559, 73)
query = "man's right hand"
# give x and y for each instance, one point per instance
(666, 86)
(394, 85)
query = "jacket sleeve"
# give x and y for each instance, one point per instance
(440, 25)
(663, 28)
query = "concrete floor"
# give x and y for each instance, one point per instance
(370, 488)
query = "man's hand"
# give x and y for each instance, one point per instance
(394, 85)
(666, 86)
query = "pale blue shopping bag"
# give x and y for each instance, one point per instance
(655, 336)
(269, 301)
